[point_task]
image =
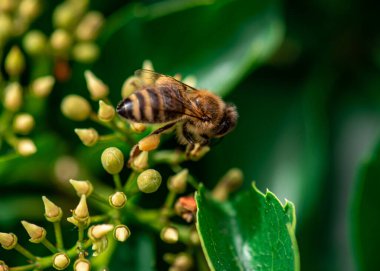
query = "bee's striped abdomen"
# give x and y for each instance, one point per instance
(151, 105)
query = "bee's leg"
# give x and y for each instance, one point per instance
(135, 151)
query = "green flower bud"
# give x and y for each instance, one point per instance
(82, 187)
(85, 52)
(6, 28)
(23, 123)
(149, 181)
(130, 85)
(106, 112)
(169, 235)
(35, 42)
(42, 86)
(82, 265)
(14, 62)
(36, 233)
(117, 200)
(97, 88)
(75, 107)
(61, 41)
(13, 96)
(3, 266)
(121, 233)
(89, 137)
(89, 26)
(53, 213)
(61, 261)
(29, 9)
(65, 15)
(112, 160)
(26, 147)
(99, 231)
(8, 240)
(177, 183)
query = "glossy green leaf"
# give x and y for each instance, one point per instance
(253, 231)
(365, 213)
(203, 41)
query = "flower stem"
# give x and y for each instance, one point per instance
(25, 252)
(23, 267)
(58, 235)
(49, 246)
(117, 181)
(128, 187)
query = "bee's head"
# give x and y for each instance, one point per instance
(228, 121)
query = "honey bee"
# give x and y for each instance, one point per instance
(198, 115)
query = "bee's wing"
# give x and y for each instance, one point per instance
(154, 78)
(160, 80)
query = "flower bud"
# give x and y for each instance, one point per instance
(169, 235)
(85, 52)
(231, 181)
(89, 137)
(190, 81)
(61, 261)
(81, 215)
(65, 15)
(82, 265)
(99, 231)
(149, 142)
(36, 233)
(121, 233)
(117, 200)
(186, 207)
(88, 28)
(112, 160)
(61, 40)
(35, 42)
(177, 183)
(106, 112)
(7, 5)
(138, 127)
(8, 240)
(97, 88)
(130, 85)
(149, 181)
(194, 237)
(53, 213)
(13, 96)
(82, 187)
(6, 28)
(26, 147)
(140, 162)
(3, 266)
(23, 123)
(182, 262)
(42, 86)
(14, 62)
(75, 107)
(29, 9)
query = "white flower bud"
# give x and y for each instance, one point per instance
(99, 231)
(89, 26)
(42, 86)
(169, 235)
(121, 233)
(61, 40)
(149, 142)
(130, 85)
(117, 200)
(89, 137)
(82, 187)
(106, 112)
(26, 147)
(13, 96)
(97, 88)
(23, 123)
(35, 42)
(36, 233)
(6, 27)
(29, 9)
(14, 62)
(61, 261)
(8, 240)
(75, 107)
(3, 266)
(53, 213)
(82, 265)
(177, 183)
(85, 52)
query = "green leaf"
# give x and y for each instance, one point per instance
(208, 41)
(251, 232)
(365, 213)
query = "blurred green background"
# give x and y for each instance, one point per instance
(305, 77)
